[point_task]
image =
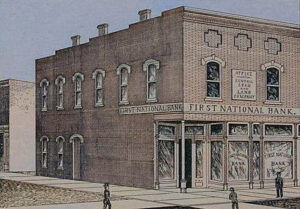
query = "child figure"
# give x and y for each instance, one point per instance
(106, 201)
(233, 198)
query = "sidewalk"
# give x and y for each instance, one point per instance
(134, 198)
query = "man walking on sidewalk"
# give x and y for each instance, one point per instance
(279, 185)
(233, 198)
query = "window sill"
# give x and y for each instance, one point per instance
(59, 108)
(151, 100)
(99, 105)
(78, 107)
(213, 99)
(273, 102)
(123, 103)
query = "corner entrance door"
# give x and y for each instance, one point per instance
(188, 162)
(76, 158)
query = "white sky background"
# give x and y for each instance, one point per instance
(31, 29)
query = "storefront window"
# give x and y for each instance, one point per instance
(216, 130)
(278, 130)
(238, 162)
(278, 158)
(216, 161)
(166, 159)
(199, 159)
(256, 160)
(238, 129)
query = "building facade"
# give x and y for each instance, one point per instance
(191, 98)
(17, 126)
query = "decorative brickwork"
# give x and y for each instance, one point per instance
(242, 42)
(212, 38)
(272, 45)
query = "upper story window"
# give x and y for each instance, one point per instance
(59, 82)
(77, 80)
(44, 141)
(150, 67)
(60, 151)
(44, 94)
(98, 76)
(273, 71)
(213, 76)
(123, 71)
(213, 80)
(273, 84)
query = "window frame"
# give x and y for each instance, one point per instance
(75, 77)
(44, 97)
(119, 73)
(204, 62)
(146, 68)
(213, 81)
(58, 94)
(61, 139)
(271, 85)
(44, 142)
(95, 76)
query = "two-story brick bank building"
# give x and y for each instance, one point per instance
(191, 98)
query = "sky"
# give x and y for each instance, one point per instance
(32, 29)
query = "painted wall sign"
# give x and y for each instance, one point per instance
(210, 109)
(243, 85)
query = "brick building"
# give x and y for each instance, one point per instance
(191, 98)
(17, 126)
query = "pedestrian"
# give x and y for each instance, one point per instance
(106, 200)
(233, 198)
(279, 185)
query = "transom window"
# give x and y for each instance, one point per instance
(213, 80)
(99, 75)
(123, 71)
(273, 84)
(77, 80)
(44, 94)
(59, 82)
(150, 67)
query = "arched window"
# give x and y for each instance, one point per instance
(60, 151)
(44, 94)
(44, 142)
(123, 71)
(151, 66)
(213, 80)
(99, 76)
(59, 82)
(213, 66)
(273, 84)
(77, 80)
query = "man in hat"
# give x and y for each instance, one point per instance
(233, 198)
(279, 185)
(106, 200)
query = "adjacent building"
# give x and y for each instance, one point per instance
(17, 126)
(191, 98)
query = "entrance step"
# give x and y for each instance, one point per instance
(167, 184)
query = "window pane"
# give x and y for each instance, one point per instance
(272, 76)
(256, 160)
(238, 160)
(166, 159)
(60, 100)
(151, 73)
(194, 130)
(213, 71)
(60, 160)
(78, 84)
(256, 129)
(44, 102)
(199, 159)
(166, 131)
(273, 93)
(78, 98)
(44, 93)
(60, 146)
(124, 76)
(44, 160)
(124, 93)
(44, 144)
(216, 130)
(279, 130)
(60, 86)
(1, 144)
(216, 161)
(99, 80)
(152, 91)
(238, 129)
(213, 89)
(99, 96)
